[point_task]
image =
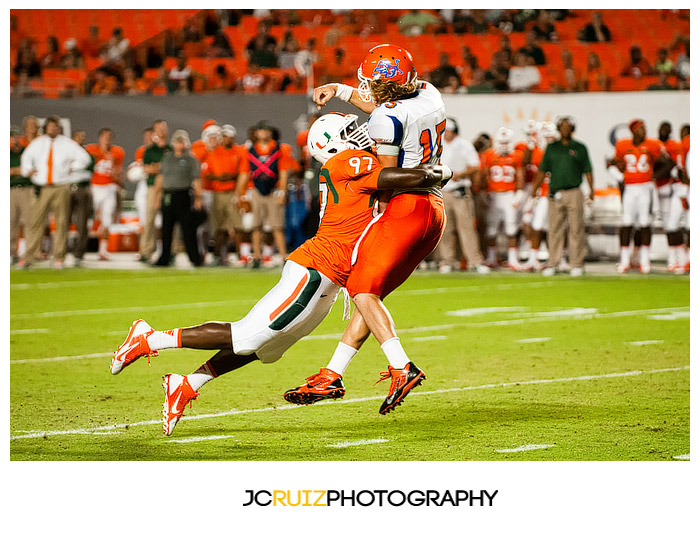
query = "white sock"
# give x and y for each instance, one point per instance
(341, 358)
(672, 255)
(533, 256)
(246, 249)
(158, 340)
(682, 255)
(201, 376)
(21, 247)
(513, 255)
(624, 256)
(395, 353)
(644, 258)
(103, 246)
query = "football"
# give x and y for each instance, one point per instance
(135, 172)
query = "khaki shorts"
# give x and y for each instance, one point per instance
(224, 212)
(267, 210)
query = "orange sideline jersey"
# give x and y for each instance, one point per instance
(138, 155)
(639, 159)
(200, 151)
(535, 159)
(346, 183)
(685, 147)
(106, 163)
(288, 156)
(674, 150)
(222, 161)
(500, 170)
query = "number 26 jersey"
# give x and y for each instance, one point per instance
(346, 184)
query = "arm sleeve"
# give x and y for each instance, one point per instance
(545, 165)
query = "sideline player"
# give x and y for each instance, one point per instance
(407, 121)
(311, 279)
(636, 159)
(503, 169)
(105, 183)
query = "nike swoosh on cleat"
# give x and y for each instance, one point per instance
(177, 400)
(324, 295)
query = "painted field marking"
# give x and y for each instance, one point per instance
(27, 331)
(670, 316)
(682, 457)
(419, 329)
(91, 282)
(358, 443)
(535, 339)
(523, 448)
(196, 439)
(30, 434)
(644, 343)
(476, 311)
(430, 338)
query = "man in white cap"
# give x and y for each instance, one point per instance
(461, 156)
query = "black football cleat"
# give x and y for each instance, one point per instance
(402, 381)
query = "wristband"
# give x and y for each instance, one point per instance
(343, 92)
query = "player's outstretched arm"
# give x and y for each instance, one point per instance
(323, 94)
(420, 177)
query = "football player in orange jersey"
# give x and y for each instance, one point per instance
(407, 121)
(105, 183)
(503, 171)
(532, 156)
(636, 158)
(311, 279)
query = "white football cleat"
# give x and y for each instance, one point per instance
(178, 392)
(133, 347)
(576, 272)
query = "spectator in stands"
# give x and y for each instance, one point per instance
(72, 58)
(81, 207)
(220, 46)
(263, 54)
(253, 81)
(92, 46)
(154, 58)
(460, 21)
(568, 77)
(53, 162)
(504, 46)
(222, 80)
(498, 72)
(152, 158)
(306, 59)
(544, 27)
(510, 21)
(269, 171)
(133, 85)
(663, 62)
(440, 76)
(523, 76)
(478, 24)
(637, 65)
(27, 60)
(683, 61)
(52, 58)
(260, 40)
(566, 160)
(287, 51)
(178, 192)
(160, 85)
(21, 196)
(478, 83)
(662, 84)
(103, 83)
(595, 31)
(532, 49)
(597, 78)
(116, 47)
(192, 32)
(180, 76)
(416, 21)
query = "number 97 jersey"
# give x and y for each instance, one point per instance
(415, 124)
(347, 186)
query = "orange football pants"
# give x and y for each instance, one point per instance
(406, 233)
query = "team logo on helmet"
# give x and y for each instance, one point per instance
(386, 69)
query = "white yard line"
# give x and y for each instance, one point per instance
(523, 448)
(430, 338)
(419, 329)
(197, 439)
(682, 457)
(644, 343)
(30, 434)
(358, 443)
(27, 331)
(534, 339)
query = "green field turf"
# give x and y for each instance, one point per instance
(526, 360)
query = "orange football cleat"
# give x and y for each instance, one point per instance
(402, 381)
(324, 385)
(133, 347)
(178, 392)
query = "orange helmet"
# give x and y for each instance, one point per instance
(385, 62)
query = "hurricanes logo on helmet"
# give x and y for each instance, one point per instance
(386, 69)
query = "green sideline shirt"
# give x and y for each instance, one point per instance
(152, 155)
(566, 164)
(16, 161)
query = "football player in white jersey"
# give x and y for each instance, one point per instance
(407, 122)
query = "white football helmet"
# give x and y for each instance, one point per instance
(548, 133)
(335, 132)
(215, 132)
(503, 141)
(532, 132)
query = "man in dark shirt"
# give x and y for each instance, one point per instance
(532, 49)
(595, 31)
(441, 75)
